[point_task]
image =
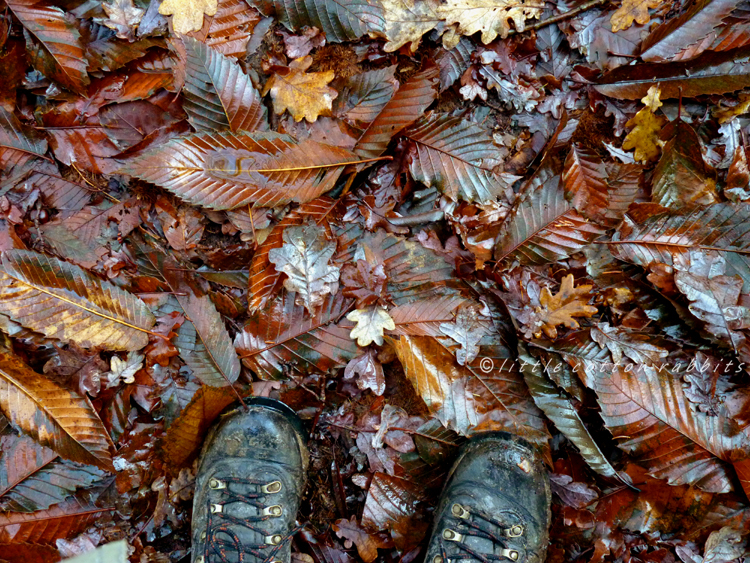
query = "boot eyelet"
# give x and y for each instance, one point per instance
(271, 488)
(215, 508)
(459, 511)
(203, 536)
(216, 484)
(273, 540)
(511, 554)
(199, 559)
(514, 531)
(274, 511)
(452, 535)
(439, 559)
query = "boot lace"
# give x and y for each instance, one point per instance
(466, 522)
(220, 537)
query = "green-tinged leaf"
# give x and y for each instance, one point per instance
(711, 73)
(687, 35)
(660, 238)
(62, 521)
(13, 135)
(53, 42)
(31, 479)
(63, 301)
(218, 95)
(363, 96)
(682, 179)
(206, 346)
(458, 157)
(644, 407)
(55, 416)
(186, 435)
(562, 413)
(406, 106)
(340, 21)
(283, 338)
(543, 227)
(264, 278)
(225, 170)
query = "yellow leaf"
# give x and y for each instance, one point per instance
(370, 325)
(491, 17)
(559, 309)
(187, 15)
(726, 114)
(644, 137)
(632, 10)
(305, 94)
(406, 21)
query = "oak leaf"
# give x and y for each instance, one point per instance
(467, 330)
(367, 544)
(406, 21)
(305, 94)
(632, 10)
(304, 258)
(370, 325)
(122, 17)
(644, 137)
(559, 309)
(187, 15)
(490, 17)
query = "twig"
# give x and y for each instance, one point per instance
(417, 219)
(561, 17)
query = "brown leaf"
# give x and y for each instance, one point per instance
(561, 308)
(123, 17)
(585, 181)
(224, 170)
(29, 553)
(186, 434)
(229, 30)
(367, 544)
(644, 137)
(55, 416)
(305, 94)
(368, 370)
(491, 18)
(53, 43)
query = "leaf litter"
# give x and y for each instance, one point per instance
(411, 221)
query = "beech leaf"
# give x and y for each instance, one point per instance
(304, 258)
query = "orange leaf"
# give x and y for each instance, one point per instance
(305, 94)
(559, 309)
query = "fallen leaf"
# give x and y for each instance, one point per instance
(367, 544)
(644, 137)
(406, 21)
(304, 258)
(467, 330)
(632, 10)
(369, 372)
(124, 370)
(187, 15)
(561, 308)
(305, 94)
(123, 17)
(724, 545)
(492, 18)
(370, 325)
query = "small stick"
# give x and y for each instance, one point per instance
(561, 17)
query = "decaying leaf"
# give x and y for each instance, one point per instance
(561, 308)
(467, 331)
(123, 17)
(305, 94)
(304, 258)
(644, 137)
(632, 10)
(367, 544)
(406, 21)
(369, 372)
(371, 323)
(187, 15)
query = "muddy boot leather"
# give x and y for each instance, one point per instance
(495, 505)
(249, 484)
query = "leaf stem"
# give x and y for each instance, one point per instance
(561, 17)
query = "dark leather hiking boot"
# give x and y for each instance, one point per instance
(249, 484)
(495, 505)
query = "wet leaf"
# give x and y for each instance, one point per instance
(63, 301)
(363, 96)
(561, 309)
(123, 17)
(229, 30)
(371, 323)
(54, 44)
(491, 18)
(407, 21)
(58, 418)
(467, 331)
(458, 157)
(269, 169)
(623, 343)
(644, 137)
(14, 135)
(305, 94)
(367, 544)
(304, 258)
(369, 372)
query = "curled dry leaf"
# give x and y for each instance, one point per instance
(304, 258)
(63, 301)
(305, 94)
(371, 323)
(187, 15)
